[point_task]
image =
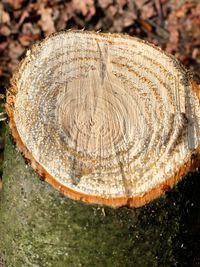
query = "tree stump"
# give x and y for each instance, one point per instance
(105, 119)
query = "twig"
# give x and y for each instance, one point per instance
(160, 12)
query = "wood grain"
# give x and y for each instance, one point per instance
(105, 118)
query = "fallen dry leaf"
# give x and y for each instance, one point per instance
(140, 3)
(111, 11)
(148, 11)
(3, 45)
(15, 50)
(5, 30)
(86, 7)
(122, 3)
(173, 29)
(145, 24)
(66, 12)
(128, 18)
(46, 21)
(16, 4)
(27, 38)
(4, 16)
(104, 3)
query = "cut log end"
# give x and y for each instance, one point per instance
(105, 118)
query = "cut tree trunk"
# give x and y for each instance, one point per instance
(107, 120)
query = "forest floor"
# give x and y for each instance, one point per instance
(174, 25)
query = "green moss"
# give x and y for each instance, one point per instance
(40, 227)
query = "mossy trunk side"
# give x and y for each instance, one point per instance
(39, 227)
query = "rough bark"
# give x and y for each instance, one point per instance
(40, 227)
